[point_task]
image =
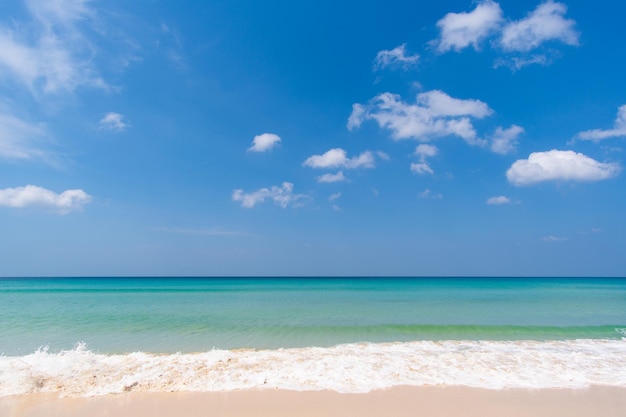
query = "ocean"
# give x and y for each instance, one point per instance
(98, 336)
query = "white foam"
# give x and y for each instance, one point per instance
(351, 368)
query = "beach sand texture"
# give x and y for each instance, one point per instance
(396, 402)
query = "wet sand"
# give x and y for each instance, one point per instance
(396, 402)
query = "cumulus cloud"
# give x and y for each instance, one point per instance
(113, 121)
(558, 165)
(264, 142)
(546, 23)
(434, 114)
(338, 177)
(337, 158)
(460, 30)
(421, 168)
(499, 200)
(282, 196)
(50, 55)
(395, 56)
(504, 141)
(32, 195)
(619, 129)
(424, 151)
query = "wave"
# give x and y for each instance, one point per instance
(349, 368)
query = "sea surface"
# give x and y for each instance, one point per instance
(97, 336)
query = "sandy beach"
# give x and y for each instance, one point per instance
(397, 402)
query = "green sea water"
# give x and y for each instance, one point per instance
(167, 315)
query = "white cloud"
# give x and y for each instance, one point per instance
(50, 55)
(460, 30)
(334, 197)
(554, 239)
(421, 168)
(396, 56)
(32, 195)
(20, 139)
(434, 114)
(382, 155)
(357, 116)
(545, 23)
(198, 231)
(504, 141)
(619, 128)
(336, 158)
(518, 62)
(282, 196)
(264, 142)
(114, 122)
(338, 177)
(428, 194)
(558, 165)
(424, 150)
(498, 200)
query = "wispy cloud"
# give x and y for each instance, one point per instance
(428, 194)
(20, 139)
(34, 196)
(50, 55)
(395, 57)
(199, 231)
(282, 196)
(555, 239)
(338, 177)
(619, 129)
(114, 122)
(558, 165)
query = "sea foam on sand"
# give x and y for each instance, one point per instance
(349, 368)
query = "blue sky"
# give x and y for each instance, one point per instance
(312, 138)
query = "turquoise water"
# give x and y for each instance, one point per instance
(167, 315)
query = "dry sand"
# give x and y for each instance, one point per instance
(397, 402)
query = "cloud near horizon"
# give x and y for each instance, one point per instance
(34, 196)
(558, 165)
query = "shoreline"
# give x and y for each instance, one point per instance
(444, 401)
